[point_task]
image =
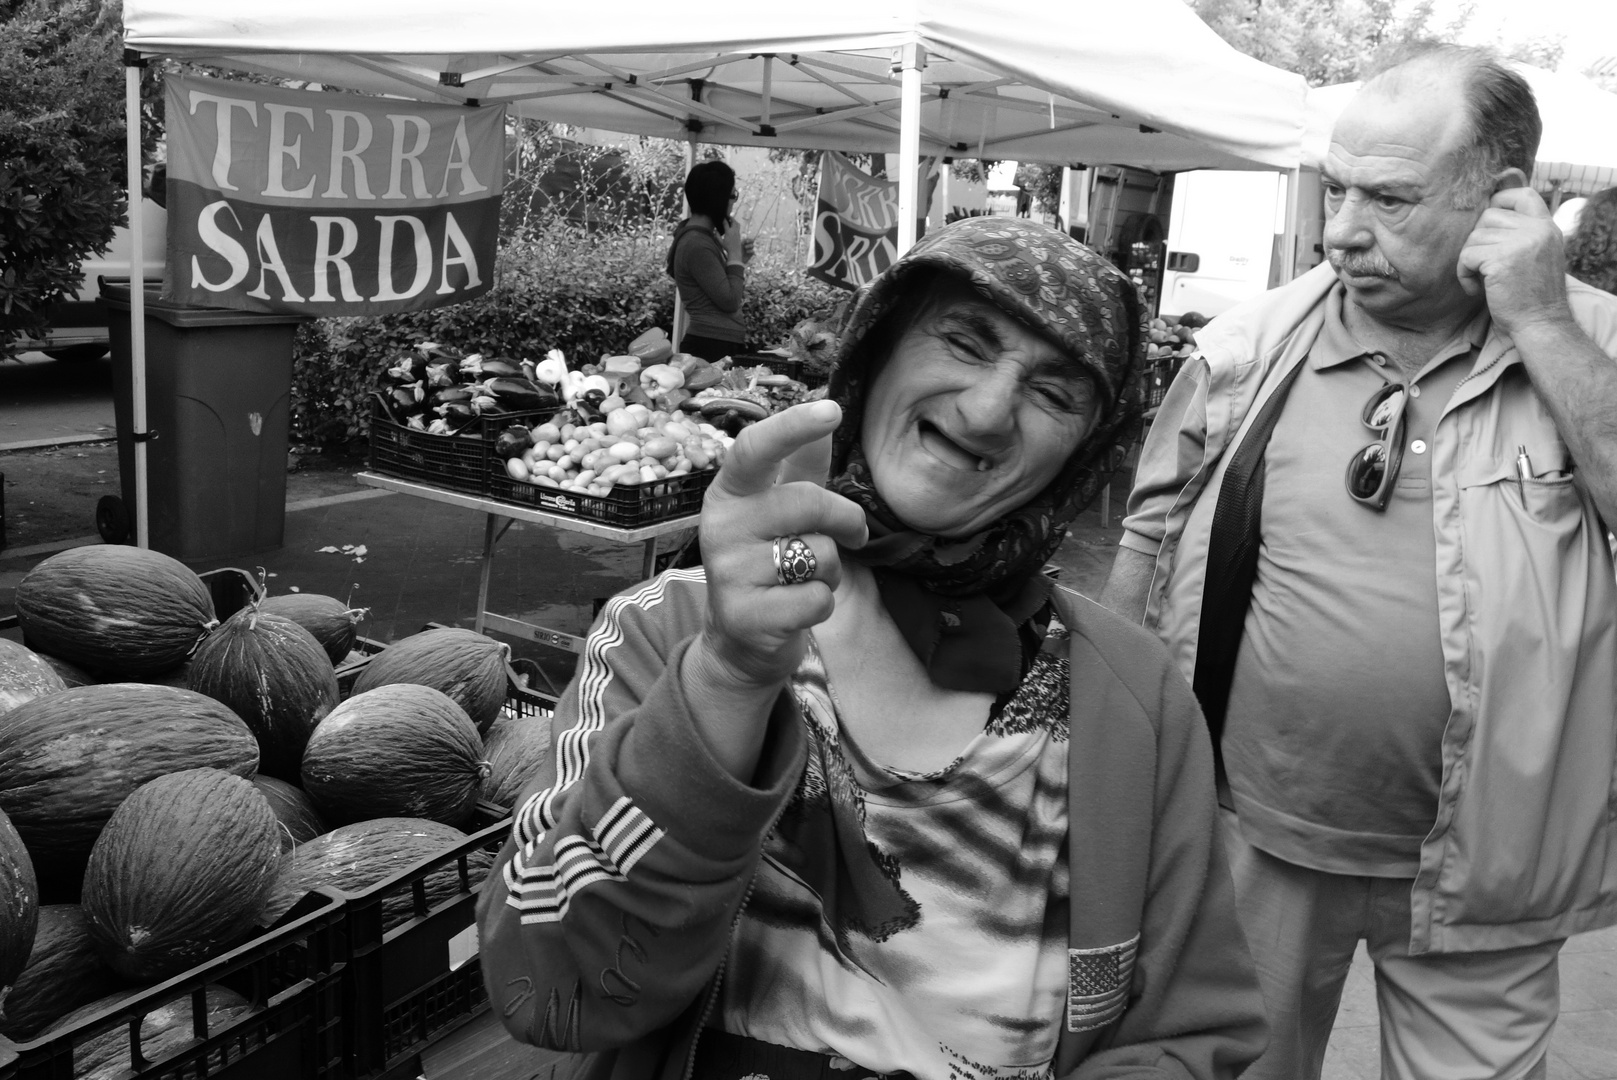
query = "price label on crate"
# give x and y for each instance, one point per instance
(463, 947)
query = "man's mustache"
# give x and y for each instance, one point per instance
(1361, 264)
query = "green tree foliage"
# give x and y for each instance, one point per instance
(61, 151)
(1324, 41)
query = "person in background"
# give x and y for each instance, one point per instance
(708, 262)
(1368, 523)
(1591, 247)
(871, 795)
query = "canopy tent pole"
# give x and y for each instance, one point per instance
(913, 62)
(137, 295)
(679, 301)
(1294, 210)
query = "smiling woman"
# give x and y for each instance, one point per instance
(932, 812)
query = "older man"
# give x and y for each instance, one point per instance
(1368, 522)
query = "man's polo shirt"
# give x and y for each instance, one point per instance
(1337, 707)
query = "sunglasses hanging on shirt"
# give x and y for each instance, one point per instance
(1372, 472)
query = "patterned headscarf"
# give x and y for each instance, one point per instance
(960, 602)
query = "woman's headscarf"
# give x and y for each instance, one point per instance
(960, 603)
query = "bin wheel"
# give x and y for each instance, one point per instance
(112, 519)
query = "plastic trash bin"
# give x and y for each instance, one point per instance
(218, 389)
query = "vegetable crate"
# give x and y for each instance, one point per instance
(461, 462)
(408, 987)
(625, 506)
(291, 975)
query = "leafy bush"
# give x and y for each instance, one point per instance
(558, 287)
(61, 152)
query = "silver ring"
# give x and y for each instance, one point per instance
(794, 560)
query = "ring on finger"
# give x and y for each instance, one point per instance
(794, 560)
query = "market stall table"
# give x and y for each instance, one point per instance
(495, 510)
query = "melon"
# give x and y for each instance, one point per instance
(68, 759)
(402, 750)
(179, 874)
(164, 1031)
(467, 666)
(121, 611)
(300, 821)
(333, 623)
(516, 747)
(274, 675)
(63, 973)
(19, 906)
(24, 675)
(354, 857)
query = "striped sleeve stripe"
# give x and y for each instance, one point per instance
(537, 815)
(618, 841)
(594, 676)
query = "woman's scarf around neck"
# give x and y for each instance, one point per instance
(961, 604)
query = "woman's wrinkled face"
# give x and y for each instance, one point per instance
(971, 415)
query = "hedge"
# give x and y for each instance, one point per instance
(588, 295)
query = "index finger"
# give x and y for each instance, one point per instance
(752, 463)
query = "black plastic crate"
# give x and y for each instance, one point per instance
(293, 975)
(408, 987)
(625, 506)
(459, 462)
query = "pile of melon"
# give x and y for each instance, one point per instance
(172, 784)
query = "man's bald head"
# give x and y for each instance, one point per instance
(1502, 121)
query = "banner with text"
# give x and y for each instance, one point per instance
(856, 222)
(321, 204)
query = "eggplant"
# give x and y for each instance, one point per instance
(512, 442)
(451, 395)
(457, 412)
(476, 366)
(520, 395)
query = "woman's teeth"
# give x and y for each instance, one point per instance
(946, 451)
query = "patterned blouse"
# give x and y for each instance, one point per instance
(917, 922)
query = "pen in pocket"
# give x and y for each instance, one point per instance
(1524, 470)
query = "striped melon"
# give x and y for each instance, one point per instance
(19, 906)
(396, 751)
(467, 666)
(124, 612)
(165, 1030)
(333, 623)
(24, 675)
(274, 675)
(179, 874)
(355, 857)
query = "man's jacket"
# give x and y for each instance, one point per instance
(1523, 848)
(606, 920)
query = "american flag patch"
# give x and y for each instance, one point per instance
(1098, 984)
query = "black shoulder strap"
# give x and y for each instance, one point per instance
(1232, 563)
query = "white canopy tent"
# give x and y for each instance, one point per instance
(1143, 83)
(1576, 156)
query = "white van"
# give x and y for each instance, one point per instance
(1224, 238)
(78, 329)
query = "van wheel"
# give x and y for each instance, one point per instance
(76, 354)
(112, 519)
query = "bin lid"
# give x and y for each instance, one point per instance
(116, 293)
